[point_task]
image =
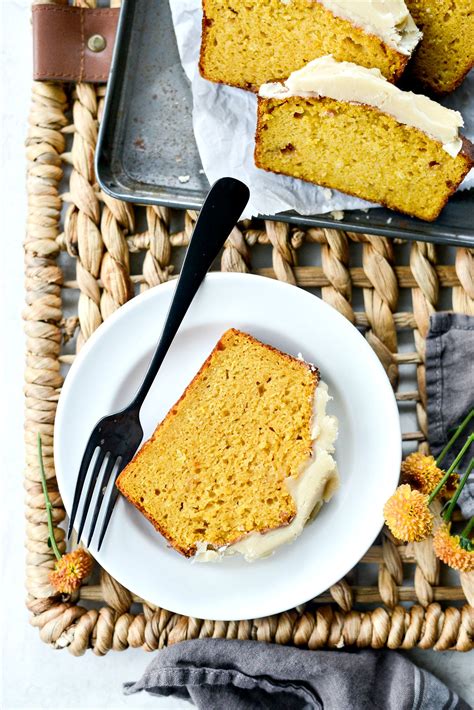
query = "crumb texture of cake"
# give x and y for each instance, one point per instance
(248, 42)
(316, 483)
(446, 53)
(345, 127)
(215, 468)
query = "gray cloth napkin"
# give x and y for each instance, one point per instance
(450, 388)
(251, 675)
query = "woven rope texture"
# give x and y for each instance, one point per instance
(79, 248)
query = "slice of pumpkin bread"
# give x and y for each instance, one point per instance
(346, 127)
(215, 468)
(446, 52)
(248, 42)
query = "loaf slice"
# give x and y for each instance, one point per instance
(248, 42)
(215, 468)
(345, 127)
(446, 52)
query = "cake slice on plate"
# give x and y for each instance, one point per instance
(248, 42)
(346, 127)
(243, 459)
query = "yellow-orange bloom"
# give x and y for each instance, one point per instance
(448, 549)
(407, 514)
(71, 570)
(422, 473)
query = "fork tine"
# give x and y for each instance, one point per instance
(84, 467)
(111, 503)
(90, 491)
(100, 496)
(108, 514)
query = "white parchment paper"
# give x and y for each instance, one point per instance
(225, 119)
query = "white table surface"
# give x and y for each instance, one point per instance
(34, 675)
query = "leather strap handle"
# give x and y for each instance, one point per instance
(73, 43)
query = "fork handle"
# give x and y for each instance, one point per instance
(220, 212)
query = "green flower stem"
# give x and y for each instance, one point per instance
(49, 507)
(468, 529)
(452, 503)
(455, 436)
(455, 463)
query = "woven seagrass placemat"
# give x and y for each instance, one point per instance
(87, 254)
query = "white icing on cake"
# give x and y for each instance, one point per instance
(388, 19)
(345, 81)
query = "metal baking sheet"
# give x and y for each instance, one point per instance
(147, 152)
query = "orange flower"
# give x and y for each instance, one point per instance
(422, 473)
(448, 549)
(407, 514)
(71, 570)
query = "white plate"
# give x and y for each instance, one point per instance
(106, 374)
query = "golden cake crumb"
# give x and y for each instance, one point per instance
(446, 52)
(360, 150)
(246, 44)
(215, 468)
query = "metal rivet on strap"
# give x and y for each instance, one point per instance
(97, 43)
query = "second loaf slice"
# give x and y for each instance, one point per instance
(345, 127)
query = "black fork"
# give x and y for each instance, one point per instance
(117, 437)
